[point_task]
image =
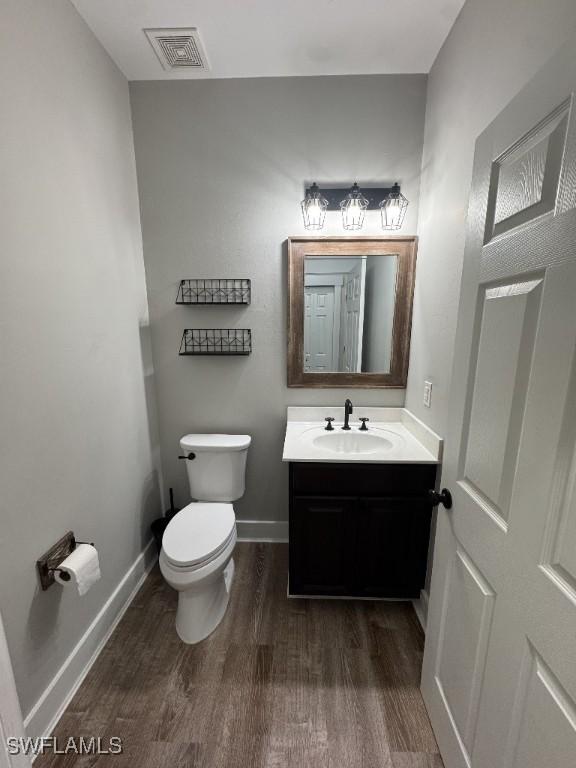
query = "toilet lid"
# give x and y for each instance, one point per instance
(198, 532)
(216, 443)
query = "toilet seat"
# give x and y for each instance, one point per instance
(198, 534)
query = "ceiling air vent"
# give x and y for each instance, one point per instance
(178, 48)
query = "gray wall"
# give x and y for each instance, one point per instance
(492, 51)
(75, 451)
(221, 169)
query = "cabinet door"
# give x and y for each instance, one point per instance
(322, 545)
(393, 535)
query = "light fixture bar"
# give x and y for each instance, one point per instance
(335, 195)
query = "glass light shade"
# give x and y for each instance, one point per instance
(314, 208)
(393, 209)
(353, 208)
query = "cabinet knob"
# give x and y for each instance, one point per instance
(444, 498)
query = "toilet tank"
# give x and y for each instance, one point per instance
(218, 467)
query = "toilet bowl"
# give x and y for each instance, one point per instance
(198, 543)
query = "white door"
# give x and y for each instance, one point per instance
(10, 716)
(353, 321)
(319, 328)
(499, 675)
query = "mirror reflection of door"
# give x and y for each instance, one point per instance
(319, 328)
(348, 313)
(353, 290)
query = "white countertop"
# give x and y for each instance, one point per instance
(404, 439)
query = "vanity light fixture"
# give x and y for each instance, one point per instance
(314, 208)
(393, 208)
(353, 208)
(353, 205)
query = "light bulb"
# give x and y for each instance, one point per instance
(353, 207)
(393, 209)
(314, 208)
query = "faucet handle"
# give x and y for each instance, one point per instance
(363, 419)
(329, 427)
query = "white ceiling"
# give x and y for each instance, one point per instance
(274, 38)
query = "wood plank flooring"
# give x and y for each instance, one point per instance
(280, 684)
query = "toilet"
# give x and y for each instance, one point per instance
(198, 543)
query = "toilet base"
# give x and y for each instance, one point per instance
(200, 610)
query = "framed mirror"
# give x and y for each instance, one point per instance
(350, 311)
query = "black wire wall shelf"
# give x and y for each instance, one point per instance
(214, 292)
(216, 341)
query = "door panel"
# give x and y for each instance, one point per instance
(463, 645)
(499, 675)
(544, 718)
(319, 328)
(558, 560)
(398, 570)
(353, 320)
(322, 545)
(508, 319)
(525, 178)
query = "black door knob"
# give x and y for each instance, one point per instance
(444, 498)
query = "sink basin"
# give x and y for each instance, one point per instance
(393, 436)
(352, 442)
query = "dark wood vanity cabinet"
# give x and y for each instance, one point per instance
(359, 530)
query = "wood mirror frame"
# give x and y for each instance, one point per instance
(402, 247)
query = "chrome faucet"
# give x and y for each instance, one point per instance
(347, 411)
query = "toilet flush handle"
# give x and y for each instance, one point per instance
(189, 456)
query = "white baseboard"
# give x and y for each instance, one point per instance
(49, 708)
(421, 608)
(262, 530)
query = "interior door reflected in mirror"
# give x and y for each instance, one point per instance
(350, 310)
(349, 313)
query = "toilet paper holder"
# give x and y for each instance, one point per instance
(49, 563)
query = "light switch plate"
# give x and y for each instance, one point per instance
(427, 394)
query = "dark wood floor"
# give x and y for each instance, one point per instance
(280, 684)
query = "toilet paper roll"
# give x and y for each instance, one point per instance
(83, 567)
